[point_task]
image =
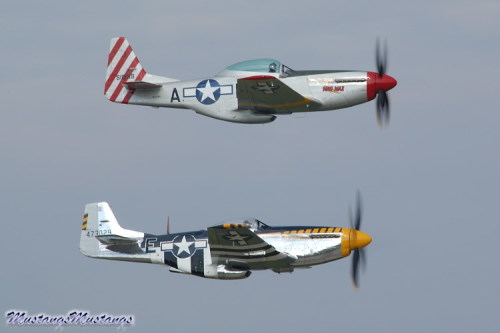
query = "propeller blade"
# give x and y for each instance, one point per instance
(358, 255)
(351, 220)
(359, 209)
(362, 259)
(355, 222)
(383, 109)
(358, 260)
(381, 58)
(355, 268)
(378, 60)
(382, 106)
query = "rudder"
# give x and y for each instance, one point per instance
(123, 66)
(100, 230)
(89, 245)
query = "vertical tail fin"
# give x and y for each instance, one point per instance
(123, 66)
(102, 236)
(89, 245)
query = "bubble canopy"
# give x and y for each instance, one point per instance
(260, 65)
(251, 223)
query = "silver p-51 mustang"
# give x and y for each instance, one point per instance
(250, 92)
(227, 251)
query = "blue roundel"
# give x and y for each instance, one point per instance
(184, 246)
(208, 91)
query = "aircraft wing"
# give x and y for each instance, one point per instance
(238, 247)
(268, 94)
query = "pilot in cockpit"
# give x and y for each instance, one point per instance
(272, 67)
(249, 224)
(255, 224)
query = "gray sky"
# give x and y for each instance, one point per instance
(429, 182)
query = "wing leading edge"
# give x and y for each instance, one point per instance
(269, 94)
(238, 247)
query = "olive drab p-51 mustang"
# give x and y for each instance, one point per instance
(250, 92)
(227, 251)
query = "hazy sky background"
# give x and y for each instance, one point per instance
(429, 181)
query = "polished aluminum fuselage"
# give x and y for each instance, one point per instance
(310, 248)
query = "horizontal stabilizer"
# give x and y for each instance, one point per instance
(103, 237)
(116, 240)
(140, 85)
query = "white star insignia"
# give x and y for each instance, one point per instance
(183, 246)
(207, 92)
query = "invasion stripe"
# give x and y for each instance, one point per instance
(243, 253)
(239, 256)
(251, 246)
(281, 256)
(117, 68)
(246, 253)
(240, 249)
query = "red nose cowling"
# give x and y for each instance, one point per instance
(376, 83)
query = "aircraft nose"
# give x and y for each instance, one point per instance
(386, 82)
(376, 83)
(353, 240)
(359, 239)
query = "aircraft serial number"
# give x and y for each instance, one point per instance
(125, 76)
(92, 233)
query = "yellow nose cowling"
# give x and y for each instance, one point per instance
(353, 239)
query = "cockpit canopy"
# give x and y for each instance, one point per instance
(251, 223)
(261, 66)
